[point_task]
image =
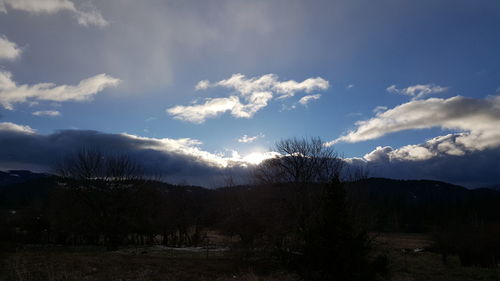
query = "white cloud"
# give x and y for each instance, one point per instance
(90, 17)
(448, 145)
(269, 82)
(249, 139)
(202, 85)
(477, 120)
(11, 127)
(255, 92)
(51, 113)
(440, 158)
(8, 50)
(305, 99)
(350, 86)
(11, 93)
(417, 91)
(289, 88)
(379, 109)
(198, 113)
(85, 16)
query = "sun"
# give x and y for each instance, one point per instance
(257, 157)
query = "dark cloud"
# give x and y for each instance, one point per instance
(179, 161)
(24, 150)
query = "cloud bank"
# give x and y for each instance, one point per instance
(177, 160)
(477, 119)
(11, 93)
(85, 16)
(469, 156)
(182, 160)
(473, 169)
(250, 95)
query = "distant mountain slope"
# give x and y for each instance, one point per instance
(494, 187)
(401, 205)
(19, 176)
(418, 190)
(32, 189)
(414, 205)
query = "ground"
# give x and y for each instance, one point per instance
(409, 258)
(132, 264)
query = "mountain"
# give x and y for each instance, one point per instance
(19, 176)
(416, 205)
(388, 204)
(494, 187)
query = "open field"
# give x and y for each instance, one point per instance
(132, 264)
(169, 264)
(408, 265)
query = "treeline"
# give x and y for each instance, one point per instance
(383, 205)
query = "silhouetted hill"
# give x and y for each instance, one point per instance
(416, 205)
(30, 192)
(31, 189)
(402, 205)
(19, 176)
(494, 187)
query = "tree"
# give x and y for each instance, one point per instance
(92, 165)
(318, 239)
(301, 161)
(107, 195)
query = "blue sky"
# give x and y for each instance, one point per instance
(441, 57)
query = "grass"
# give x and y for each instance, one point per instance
(167, 264)
(73, 265)
(407, 265)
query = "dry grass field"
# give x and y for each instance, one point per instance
(195, 264)
(406, 264)
(134, 264)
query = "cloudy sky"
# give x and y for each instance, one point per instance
(197, 89)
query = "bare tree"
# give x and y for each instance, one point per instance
(91, 164)
(110, 190)
(318, 237)
(301, 161)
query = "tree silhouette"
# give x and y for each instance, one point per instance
(106, 193)
(318, 239)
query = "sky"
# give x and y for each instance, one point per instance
(201, 89)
